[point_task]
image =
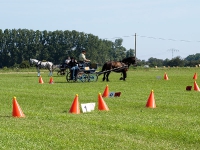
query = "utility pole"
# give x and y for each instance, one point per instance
(135, 47)
(173, 50)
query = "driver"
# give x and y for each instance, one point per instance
(82, 57)
(83, 60)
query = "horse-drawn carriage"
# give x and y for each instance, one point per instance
(85, 73)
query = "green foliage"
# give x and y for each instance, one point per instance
(24, 64)
(5, 68)
(18, 45)
(193, 57)
(174, 124)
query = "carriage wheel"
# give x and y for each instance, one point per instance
(81, 77)
(58, 73)
(68, 77)
(92, 77)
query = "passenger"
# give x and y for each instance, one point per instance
(74, 68)
(65, 64)
(67, 60)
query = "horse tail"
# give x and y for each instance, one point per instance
(54, 67)
(102, 70)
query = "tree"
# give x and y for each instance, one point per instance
(118, 52)
(155, 62)
(177, 61)
(130, 52)
(193, 57)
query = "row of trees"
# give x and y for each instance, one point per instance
(18, 45)
(191, 60)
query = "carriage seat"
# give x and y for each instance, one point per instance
(93, 66)
(88, 67)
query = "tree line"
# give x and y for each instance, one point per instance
(19, 45)
(189, 61)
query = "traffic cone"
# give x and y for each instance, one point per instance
(75, 106)
(106, 92)
(196, 87)
(165, 76)
(101, 103)
(51, 80)
(40, 80)
(195, 76)
(151, 101)
(17, 112)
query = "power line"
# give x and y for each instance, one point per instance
(173, 50)
(151, 37)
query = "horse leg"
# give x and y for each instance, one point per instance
(104, 77)
(121, 78)
(50, 73)
(124, 75)
(38, 70)
(107, 75)
(51, 70)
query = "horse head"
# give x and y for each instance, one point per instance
(33, 61)
(130, 61)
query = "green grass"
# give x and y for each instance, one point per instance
(173, 124)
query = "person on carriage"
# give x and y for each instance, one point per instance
(73, 65)
(82, 58)
(67, 60)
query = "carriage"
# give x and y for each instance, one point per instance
(63, 68)
(86, 73)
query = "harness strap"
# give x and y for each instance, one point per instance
(38, 63)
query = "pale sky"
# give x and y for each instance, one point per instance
(164, 28)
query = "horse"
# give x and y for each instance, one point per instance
(117, 67)
(39, 64)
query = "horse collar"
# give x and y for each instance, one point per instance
(39, 63)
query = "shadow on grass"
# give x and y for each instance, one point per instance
(1, 116)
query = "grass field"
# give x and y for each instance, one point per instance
(173, 124)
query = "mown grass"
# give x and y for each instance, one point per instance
(173, 124)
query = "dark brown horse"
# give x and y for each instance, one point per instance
(117, 66)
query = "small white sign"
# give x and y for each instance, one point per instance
(111, 94)
(87, 107)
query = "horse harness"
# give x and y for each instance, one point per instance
(38, 64)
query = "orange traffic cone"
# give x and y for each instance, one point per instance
(195, 76)
(17, 112)
(75, 106)
(151, 101)
(106, 92)
(40, 80)
(101, 103)
(51, 80)
(196, 87)
(165, 76)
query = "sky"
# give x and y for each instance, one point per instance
(164, 28)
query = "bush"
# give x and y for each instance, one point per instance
(5, 68)
(24, 64)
